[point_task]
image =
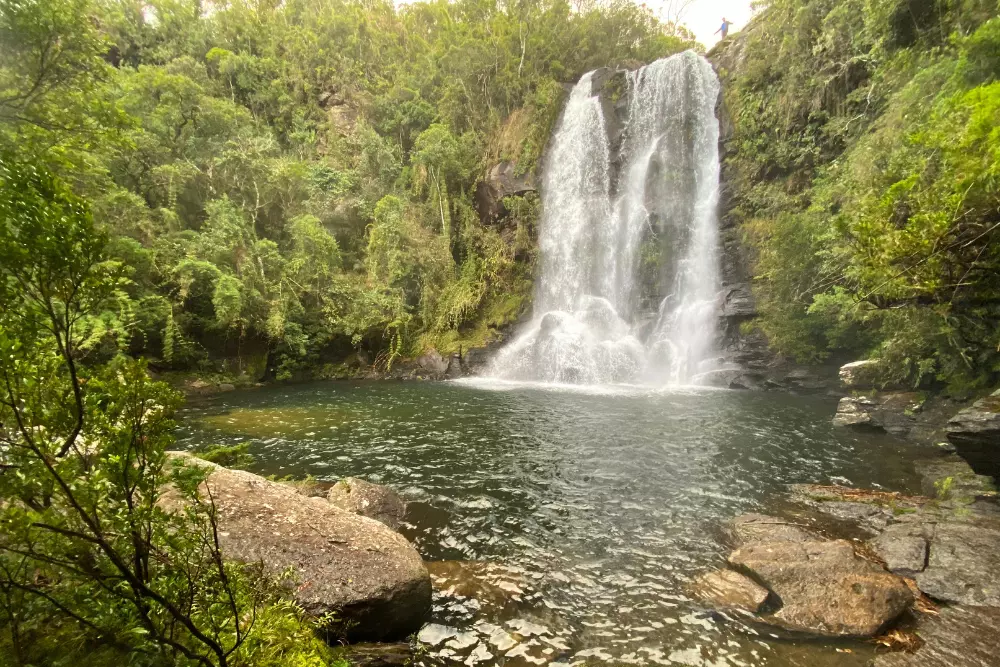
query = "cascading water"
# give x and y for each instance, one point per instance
(592, 323)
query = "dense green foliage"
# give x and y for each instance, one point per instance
(292, 182)
(94, 564)
(865, 167)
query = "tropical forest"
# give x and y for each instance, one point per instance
(485, 333)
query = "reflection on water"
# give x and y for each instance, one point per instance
(592, 509)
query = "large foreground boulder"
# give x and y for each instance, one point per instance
(975, 432)
(370, 577)
(955, 637)
(824, 587)
(374, 501)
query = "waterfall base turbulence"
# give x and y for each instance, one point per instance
(618, 237)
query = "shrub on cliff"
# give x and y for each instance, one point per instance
(866, 170)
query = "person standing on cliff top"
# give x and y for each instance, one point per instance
(724, 28)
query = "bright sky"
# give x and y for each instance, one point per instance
(703, 17)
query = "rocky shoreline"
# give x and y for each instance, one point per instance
(922, 573)
(849, 562)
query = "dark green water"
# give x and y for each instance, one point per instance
(595, 507)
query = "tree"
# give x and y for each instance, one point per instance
(87, 551)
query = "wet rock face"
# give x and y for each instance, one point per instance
(345, 564)
(975, 432)
(824, 587)
(728, 589)
(955, 637)
(374, 501)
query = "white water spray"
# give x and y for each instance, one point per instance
(590, 324)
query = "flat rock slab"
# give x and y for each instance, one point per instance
(891, 412)
(760, 528)
(352, 566)
(951, 478)
(824, 587)
(728, 589)
(963, 565)
(956, 637)
(374, 501)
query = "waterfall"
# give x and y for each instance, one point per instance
(605, 222)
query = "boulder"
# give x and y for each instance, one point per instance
(975, 432)
(371, 500)
(957, 636)
(963, 565)
(892, 412)
(351, 566)
(749, 529)
(903, 547)
(824, 587)
(728, 589)
(858, 374)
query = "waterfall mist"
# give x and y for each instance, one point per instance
(629, 277)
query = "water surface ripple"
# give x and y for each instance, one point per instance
(598, 506)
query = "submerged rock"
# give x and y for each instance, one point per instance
(869, 509)
(730, 378)
(351, 566)
(975, 432)
(956, 637)
(494, 587)
(374, 501)
(435, 634)
(824, 587)
(379, 655)
(759, 528)
(728, 589)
